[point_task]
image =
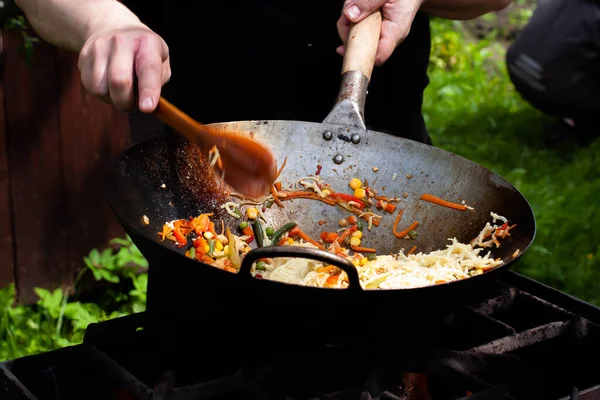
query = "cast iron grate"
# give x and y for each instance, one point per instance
(514, 346)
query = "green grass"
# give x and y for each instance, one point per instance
(472, 109)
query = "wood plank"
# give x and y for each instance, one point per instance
(7, 261)
(40, 229)
(93, 134)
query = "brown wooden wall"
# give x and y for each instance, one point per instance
(56, 143)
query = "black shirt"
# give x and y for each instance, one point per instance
(270, 59)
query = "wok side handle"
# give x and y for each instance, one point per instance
(302, 252)
(357, 67)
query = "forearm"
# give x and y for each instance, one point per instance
(68, 23)
(462, 9)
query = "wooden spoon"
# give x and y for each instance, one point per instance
(249, 167)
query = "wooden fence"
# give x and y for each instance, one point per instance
(56, 143)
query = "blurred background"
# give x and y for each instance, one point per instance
(65, 262)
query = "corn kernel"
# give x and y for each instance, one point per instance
(219, 246)
(226, 249)
(356, 263)
(355, 241)
(290, 241)
(360, 193)
(326, 192)
(208, 235)
(206, 248)
(252, 213)
(355, 183)
(363, 261)
(357, 234)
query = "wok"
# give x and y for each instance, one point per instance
(165, 178)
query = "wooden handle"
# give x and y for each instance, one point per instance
(361, 46)
(178, 120)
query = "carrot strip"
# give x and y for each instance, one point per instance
(275, 198)
(395, 227)
(363, 249)
(281, 168)
(412, 250)
(277, 186)
(438, 201)
(346, 233)
(308, 239)
(405, 232)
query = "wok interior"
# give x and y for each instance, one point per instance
(165, 178)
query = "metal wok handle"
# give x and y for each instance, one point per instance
(302, 252)
(359, 59)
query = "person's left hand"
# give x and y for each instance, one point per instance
(397, 17)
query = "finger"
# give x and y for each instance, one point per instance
(341, 50)
(166, 69)
(343, 28)
(357, 10)
(92, 64)
(120, 72)
(149, 59)
(389, 40)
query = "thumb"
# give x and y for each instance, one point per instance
(357, 10)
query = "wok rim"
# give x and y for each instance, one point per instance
(472, 279)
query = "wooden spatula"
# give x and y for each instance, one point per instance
(249, 167)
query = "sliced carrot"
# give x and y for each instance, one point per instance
(277, 186)
(412, 250)
(351, 220)
(363, 249)
(438, 201)
(405, 232)
(346, 233)
(281, 168)
(332, 280)
(322, 222)
(390, 207)
(308, 239)
(395, 227)
(275, 197)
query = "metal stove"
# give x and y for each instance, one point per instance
(526, 341)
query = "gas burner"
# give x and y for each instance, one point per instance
(526, 341)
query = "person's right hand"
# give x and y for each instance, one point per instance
(111, 60)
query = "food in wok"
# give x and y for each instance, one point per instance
(210, 242)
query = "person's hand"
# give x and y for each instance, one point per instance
(397, 18)
(111, 60)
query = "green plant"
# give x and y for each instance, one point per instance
(59, 319)
(26, 48)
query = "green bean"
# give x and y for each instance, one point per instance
(270, 231)
(243, 225)
(211, 246)
(258, 233)
(281, 231)
(360, 226)
(192, 252)
(371, 256)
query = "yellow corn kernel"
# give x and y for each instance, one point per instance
(326, 192)
(357, 234)
(226, 249)
(354, 241)
(356, 263)
(206, 248)
(290, 241)
(360, 193)
(363, 261)
(355, 183)
(208, 235)
(252, 213)
(219, 246)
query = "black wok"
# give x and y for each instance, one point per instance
(164, 178)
